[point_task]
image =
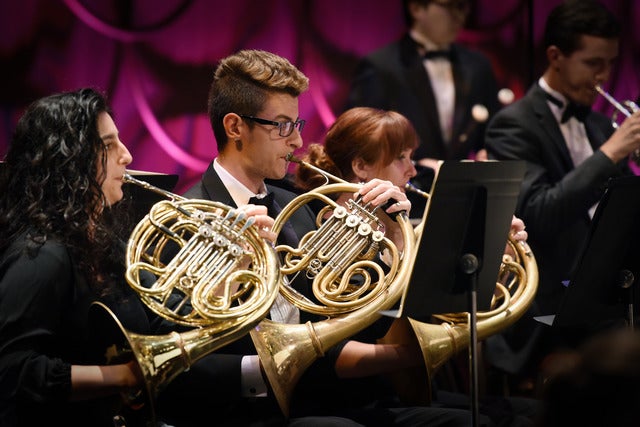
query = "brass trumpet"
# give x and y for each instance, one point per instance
(220, 283)
(627, 108)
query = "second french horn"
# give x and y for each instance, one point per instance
(342, 248)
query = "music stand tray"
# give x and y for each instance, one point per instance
(142, 199)
(469, 212)
(595, 296)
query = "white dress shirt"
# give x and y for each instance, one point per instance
(444, 90)
(573, 131)
(281, 311)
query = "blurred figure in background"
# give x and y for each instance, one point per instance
(570, 153)
(446, 90)
(604, 371)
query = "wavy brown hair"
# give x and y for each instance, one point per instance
(50, 185)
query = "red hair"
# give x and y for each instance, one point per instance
(375, 136)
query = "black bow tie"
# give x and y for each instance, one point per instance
(287, 235)
(264, 201)
(579, 111)
(436, 54)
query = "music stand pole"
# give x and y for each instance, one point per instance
(626, 280)
(469, 266)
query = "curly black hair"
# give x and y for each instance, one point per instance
(51, 189)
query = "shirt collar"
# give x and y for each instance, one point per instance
(555, 109)
(238, 191)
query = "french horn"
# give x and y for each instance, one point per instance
(214, 275)
(341, 249)
(516, 287)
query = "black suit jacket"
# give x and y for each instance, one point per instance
(394, 78)
(555, 196)
(319, 390)
(212, 188)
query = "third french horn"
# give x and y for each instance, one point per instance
(449, 333)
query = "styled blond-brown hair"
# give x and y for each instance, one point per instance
(242, 82)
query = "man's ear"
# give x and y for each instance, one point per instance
(232, 125)
(360, 169)
(554, 56)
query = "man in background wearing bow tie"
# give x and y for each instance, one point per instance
(432, 81)
(570, 154)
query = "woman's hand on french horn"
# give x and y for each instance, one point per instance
(518, 229)
(379, 192)
(263, 221)
(517, 233)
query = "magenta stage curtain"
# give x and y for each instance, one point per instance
(154, 59)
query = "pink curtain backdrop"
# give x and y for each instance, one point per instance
(155, 59)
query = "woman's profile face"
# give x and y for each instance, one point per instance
(399, 171)
(117, 157)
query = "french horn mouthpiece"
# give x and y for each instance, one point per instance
(291, 158)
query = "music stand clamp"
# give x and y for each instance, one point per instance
(459, 254)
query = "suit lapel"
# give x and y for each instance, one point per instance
(462, 94)
(215, 189)
(596, 134)
(419, 81)
(549, 125)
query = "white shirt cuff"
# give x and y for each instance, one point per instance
(253, 384)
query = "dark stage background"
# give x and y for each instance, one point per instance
(154, 59)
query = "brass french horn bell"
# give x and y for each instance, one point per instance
(214, 276)
(516, 288)
(342, 248)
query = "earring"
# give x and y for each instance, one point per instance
(238, 143)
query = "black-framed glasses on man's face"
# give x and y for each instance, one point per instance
(284, 128)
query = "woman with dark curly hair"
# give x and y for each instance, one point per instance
(59, 251)
(62, 233)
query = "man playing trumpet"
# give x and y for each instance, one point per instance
(571, 153)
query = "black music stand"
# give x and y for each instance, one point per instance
(459, 254)
(601, 291)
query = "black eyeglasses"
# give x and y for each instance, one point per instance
(284, 128)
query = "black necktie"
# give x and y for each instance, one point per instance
(579, 111)
(436, 54)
